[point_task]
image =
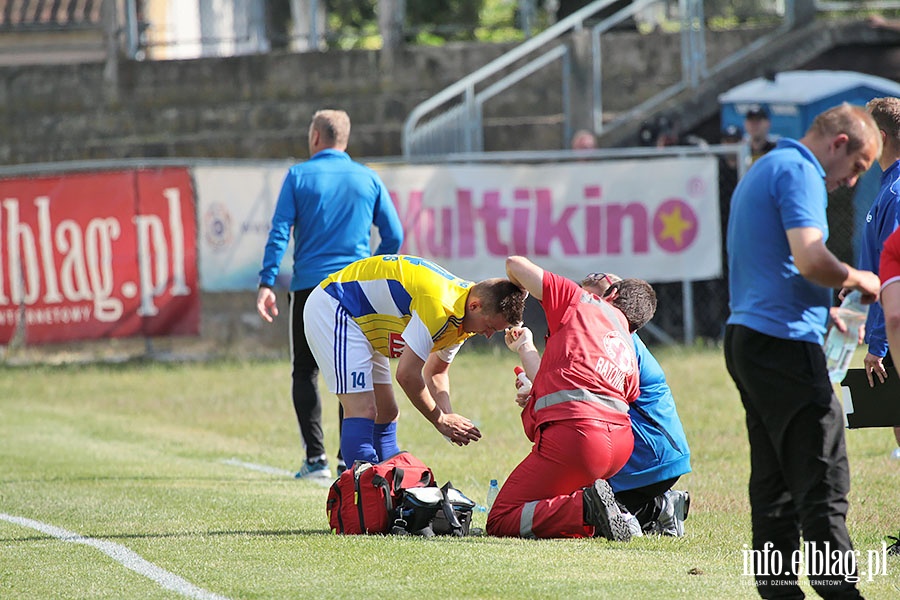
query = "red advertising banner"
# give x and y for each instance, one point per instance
(98, 255)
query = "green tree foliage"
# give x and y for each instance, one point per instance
(354, 23)
(448, 20)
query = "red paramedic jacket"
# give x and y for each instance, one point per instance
(589, 369)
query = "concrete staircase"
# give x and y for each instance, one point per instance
(817, 45)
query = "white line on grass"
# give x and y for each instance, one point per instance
(254, 467)
(123, 555)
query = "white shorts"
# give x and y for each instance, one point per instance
(345, 356)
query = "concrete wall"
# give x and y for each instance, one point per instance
(259, 106)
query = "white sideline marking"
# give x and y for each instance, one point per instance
(254, 467)
(123, 555)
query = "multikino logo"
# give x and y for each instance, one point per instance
(814, 561)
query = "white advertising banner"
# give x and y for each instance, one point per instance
(657, 219)
(234, 212)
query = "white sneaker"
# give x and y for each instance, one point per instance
(634, 526)
(675, 509)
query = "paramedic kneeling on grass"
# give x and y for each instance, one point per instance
(577, 414)
(643, 487)
(404, 307)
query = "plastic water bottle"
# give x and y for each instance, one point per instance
(896, 454)
(493, 490)
(523, 379)
(839, 347)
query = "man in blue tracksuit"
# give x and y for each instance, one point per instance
(330, 203)
(660, 456)
(881, 220)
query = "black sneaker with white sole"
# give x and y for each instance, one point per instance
(893, 549)
(601, 511)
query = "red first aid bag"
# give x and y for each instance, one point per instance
(365, 497)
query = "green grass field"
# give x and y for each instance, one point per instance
(134, 458)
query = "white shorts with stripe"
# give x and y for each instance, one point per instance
(345, 356)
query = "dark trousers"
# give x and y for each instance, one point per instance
(645, 503)
(799, 475)
(304, 378)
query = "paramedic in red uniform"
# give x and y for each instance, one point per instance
(577, 414)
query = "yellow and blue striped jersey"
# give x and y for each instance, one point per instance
(398, 299)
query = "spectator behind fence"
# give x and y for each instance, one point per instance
(584, 140)
(330, 203)
(666, 130)
(757, 125)
(780, 301)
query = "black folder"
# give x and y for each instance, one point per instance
(865, 406)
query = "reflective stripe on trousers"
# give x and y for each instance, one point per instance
(526, 521)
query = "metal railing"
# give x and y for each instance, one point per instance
(459, 129)
(446, 134)
(451, 121)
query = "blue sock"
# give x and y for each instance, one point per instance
(386, 439)
(357, 440)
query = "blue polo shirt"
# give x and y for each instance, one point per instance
(783, 190)
(330, 202)
(881, 221)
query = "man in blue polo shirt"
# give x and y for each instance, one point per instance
(780, 273)
(330, 203)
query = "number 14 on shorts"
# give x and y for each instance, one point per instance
(357, 380)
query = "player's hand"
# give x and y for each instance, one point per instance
(516, 337)
(265, 302)
(458, 429)
(874, 368)
(522, 396)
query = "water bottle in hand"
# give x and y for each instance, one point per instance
(522, 378)
(839, 347)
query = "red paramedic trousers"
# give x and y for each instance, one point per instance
(542, 497)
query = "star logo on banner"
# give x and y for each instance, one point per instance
(674, 225)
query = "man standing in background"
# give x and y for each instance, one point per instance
(881, 221)
(331, 203)
(780, 301)
(757, 125)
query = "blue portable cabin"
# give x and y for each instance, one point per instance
(794, 98)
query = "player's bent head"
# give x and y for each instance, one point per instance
(636, 299)
(501, 297)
